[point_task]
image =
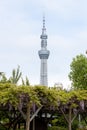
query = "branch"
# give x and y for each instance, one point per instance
(35, 113)
(74, 116)
(64, 115)
(22, 113)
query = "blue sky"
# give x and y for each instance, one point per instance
(20, 30)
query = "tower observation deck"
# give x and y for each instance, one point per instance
(43, 55)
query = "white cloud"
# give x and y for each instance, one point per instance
(66, 9)
(82, 35)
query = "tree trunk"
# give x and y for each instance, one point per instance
(34, 124)
(28, 117)
(70, 120)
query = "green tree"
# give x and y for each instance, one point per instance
(16, 75)
(71, 103)
(18, 97)
(3, 78)
(78, 73)
(26, 81)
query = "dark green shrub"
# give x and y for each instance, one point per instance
(56, 128)
(75, 124)
(2, 128)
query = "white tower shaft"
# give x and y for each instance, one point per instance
(43, 72)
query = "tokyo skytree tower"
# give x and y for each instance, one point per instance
(43, 55)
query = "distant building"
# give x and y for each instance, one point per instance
(58, 85)
(43, 55)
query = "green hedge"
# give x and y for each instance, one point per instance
(2, 128)
(56, 128)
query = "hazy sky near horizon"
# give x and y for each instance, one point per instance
(20, 30)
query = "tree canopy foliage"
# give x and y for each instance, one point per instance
(78, 73)
(23, 98)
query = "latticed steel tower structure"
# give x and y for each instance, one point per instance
(43, 55)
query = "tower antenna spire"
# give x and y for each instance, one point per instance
(43, 21)
(43, 29)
